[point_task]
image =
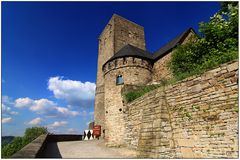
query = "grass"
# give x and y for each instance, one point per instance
(132, 95)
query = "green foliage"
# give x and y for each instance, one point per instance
(132, 95)
(13, 147)
(19, 142)
(218, 44)
(34, 132)
(6, 140)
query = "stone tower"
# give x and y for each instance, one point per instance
(117, 33)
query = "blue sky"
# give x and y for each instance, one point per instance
(49, 55)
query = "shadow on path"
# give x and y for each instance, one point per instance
(51, 150)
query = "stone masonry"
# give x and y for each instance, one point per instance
(135, 72)
(160, 67)
(117, 33)
(195, 118)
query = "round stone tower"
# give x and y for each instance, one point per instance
(129, 66)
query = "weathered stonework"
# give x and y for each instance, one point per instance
(134, 72)
(105, 51)
(195, 118)
(116, 34)
(127, 32)
(162, 65)
(160, 68)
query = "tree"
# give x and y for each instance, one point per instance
(218, 44)
(13, 147)
(34, 132)
(19, 142)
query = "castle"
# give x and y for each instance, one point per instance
(124, 60)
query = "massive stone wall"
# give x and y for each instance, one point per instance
(134, 71)
(127, 32)
(195, 118)
(105, 51)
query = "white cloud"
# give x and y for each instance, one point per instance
(7, 110)
(6, 120)
(74, 92)
(66, 111)
(23, 102)
(7, 100)
(35, 121)
(42, 105)
(7, 104)
(45, 107)
(57, 124)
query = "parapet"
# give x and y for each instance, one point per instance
(127, 62)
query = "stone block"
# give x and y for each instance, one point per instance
(222, 98)
(215, 70)
(196, 89)
(156, 123)
(232, 67)
(187, 153)
(167, 128)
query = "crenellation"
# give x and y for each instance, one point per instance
(118, 63)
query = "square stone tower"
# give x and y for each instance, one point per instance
(117, 33)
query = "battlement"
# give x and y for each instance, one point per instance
(127, 62)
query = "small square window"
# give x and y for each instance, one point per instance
(119, 80)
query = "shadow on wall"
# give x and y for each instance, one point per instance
(45, 146)
(51, 150)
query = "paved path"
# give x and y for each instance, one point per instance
(85, 149)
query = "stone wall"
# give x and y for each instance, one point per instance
(38, 147)
(127, 32)
(105, 51)
(99, 112)
(64, 137)
(195, 118)
(117, 33)
(160, 67)
(161, 70)
(33, 149)
(134, 71)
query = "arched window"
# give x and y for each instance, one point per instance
(119, 80)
